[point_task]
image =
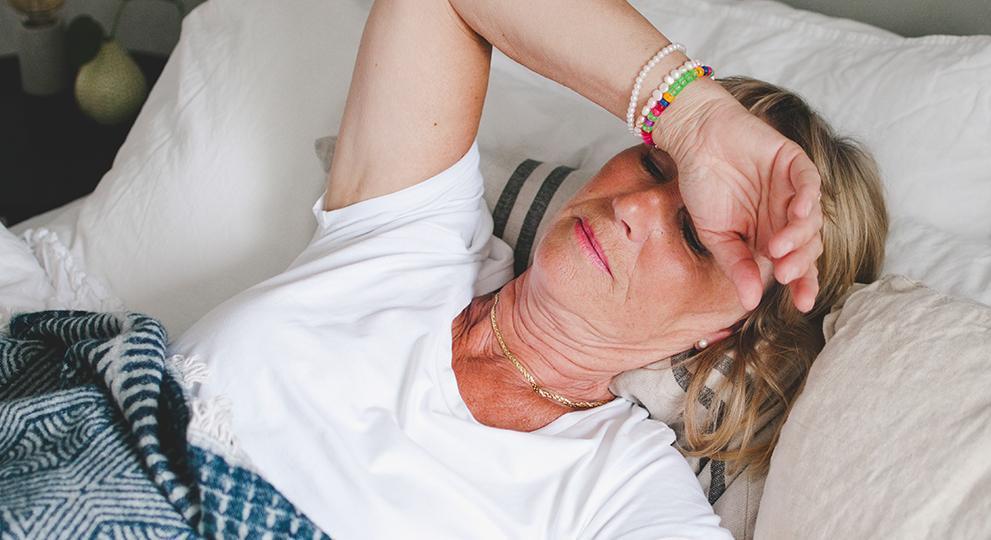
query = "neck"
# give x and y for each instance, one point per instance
(538, 342)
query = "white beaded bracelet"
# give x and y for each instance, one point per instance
(635, 95)
(663, 87)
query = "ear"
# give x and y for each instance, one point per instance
(721, 334)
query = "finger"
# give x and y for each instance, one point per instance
(797, 263)
(737, 262)
(795, 234)
(805, 289)
(807, 183)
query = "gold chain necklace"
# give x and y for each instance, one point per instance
(540, 390)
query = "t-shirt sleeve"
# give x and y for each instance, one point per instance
(434, 238)
(661, 500)
(449, 203)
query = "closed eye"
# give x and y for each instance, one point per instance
(688, 231)
(656, 171)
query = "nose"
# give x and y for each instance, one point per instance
(640, 212)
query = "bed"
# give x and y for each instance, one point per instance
(211, 193)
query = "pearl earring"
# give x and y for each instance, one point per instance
(701, 344)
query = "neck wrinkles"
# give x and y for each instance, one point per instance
(535, 339)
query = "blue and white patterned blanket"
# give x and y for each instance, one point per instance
(98, 440)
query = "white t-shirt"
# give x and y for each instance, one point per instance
(343, 396)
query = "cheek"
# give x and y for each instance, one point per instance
(662, 280)
(554, 267)
(672, 284)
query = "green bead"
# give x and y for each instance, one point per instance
(650, 116)
(648, 129)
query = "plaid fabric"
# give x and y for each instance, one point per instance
(95, 441)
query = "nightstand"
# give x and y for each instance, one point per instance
(50, 152)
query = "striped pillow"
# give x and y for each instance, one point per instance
(523, 195)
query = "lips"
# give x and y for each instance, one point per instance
(586, 238)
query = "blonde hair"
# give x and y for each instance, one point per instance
(776, 344)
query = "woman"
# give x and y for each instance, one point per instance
(384, 396)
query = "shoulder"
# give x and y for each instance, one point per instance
(442, 215)
(648, 488)
(655, 496)
(459, 185)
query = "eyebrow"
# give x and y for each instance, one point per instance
(653, 168)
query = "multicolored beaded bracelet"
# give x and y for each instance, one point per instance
(671, 85)
(666, 93)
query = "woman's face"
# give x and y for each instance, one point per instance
(622, 260)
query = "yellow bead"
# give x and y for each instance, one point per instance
(668, 97)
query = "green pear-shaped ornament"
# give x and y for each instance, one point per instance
(110, 88)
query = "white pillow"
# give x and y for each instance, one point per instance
(211, 192)
(950, 264)
(72, 287)
(890, 437)
(24, 287)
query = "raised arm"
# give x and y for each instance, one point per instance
(419, 85)
(422, 70)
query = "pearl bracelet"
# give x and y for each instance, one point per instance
(635, 95)
(661, 98)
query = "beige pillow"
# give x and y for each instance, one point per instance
(891, 437)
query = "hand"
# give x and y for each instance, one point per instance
(751, 192)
